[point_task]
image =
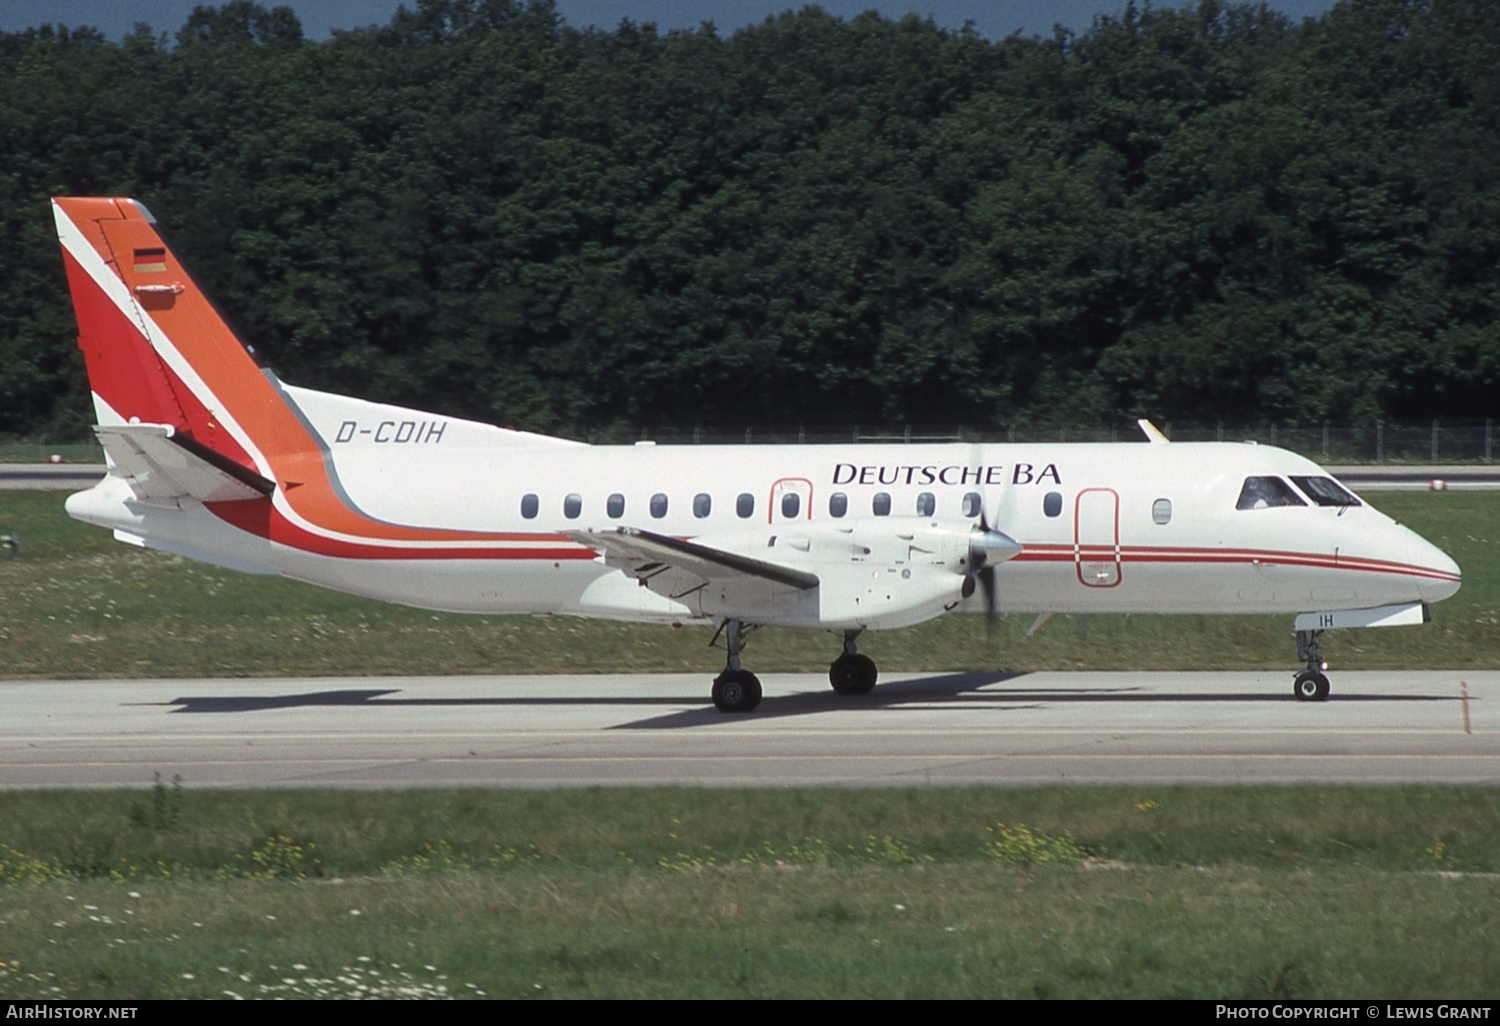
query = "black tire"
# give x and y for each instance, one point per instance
(736, 691)
(1310, 686)
(853, 674)
(844, 676)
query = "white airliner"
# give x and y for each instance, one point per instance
(212, 457)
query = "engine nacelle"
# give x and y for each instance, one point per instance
(874, 572)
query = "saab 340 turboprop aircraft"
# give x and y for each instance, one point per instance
(212, 457)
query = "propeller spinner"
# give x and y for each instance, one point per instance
(988, 547)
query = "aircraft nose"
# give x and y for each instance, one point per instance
(1441, 576)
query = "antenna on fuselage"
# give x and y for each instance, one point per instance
(1152, 432)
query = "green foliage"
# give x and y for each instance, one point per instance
(163, 810)
(281, 858)
(1209, 892)
(1021, 845)
(1193, 213)
(17, 867)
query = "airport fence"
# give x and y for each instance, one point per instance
(1407, 442)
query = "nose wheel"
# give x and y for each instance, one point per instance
(1311, 685)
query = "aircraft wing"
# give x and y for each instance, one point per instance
(163, 465)
(674, 567)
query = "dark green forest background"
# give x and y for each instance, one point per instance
(1191, 213)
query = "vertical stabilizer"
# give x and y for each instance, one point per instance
(156, 349)
(187, 415)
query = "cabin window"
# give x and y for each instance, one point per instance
(972, 504)
(1161, 511)
(702, 504)
(529, 506)
(1325, 491)
(926, 504)
(744, 506)
(659, 505)
(615, 506)
(572, 506)
(1052, 504)
(791, 503)
(1265, 492)
(882, 504)
(838, 504)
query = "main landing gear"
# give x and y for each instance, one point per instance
(852, 673)
(735, 690)
(1310, 685)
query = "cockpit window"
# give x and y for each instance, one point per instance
(1264, 492)
(1325, 491)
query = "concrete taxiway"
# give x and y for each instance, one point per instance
(915, 730)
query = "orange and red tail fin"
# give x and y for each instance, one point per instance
(187, 414)
(156, 349)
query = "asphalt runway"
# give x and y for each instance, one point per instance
(915, 730)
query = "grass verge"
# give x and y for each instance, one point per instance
(1094, 892)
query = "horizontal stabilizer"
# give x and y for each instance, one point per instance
(161, 464)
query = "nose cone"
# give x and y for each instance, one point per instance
(1436, 575)
(1440, 576)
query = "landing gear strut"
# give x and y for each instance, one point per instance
(735, 690)
(1310, 685)
(852, 673)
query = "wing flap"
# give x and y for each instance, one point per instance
(160, 464)
(673, 566)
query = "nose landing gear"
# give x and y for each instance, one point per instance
(1311, 685)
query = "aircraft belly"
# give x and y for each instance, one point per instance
(1190, 587)
(450, 585)
(617, 596)
(757, 601)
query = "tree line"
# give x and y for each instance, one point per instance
(1191, 213)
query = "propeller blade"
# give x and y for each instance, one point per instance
(987, 547)
(987, 582)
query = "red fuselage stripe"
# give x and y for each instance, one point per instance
(1094, 553)
(260, 518)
